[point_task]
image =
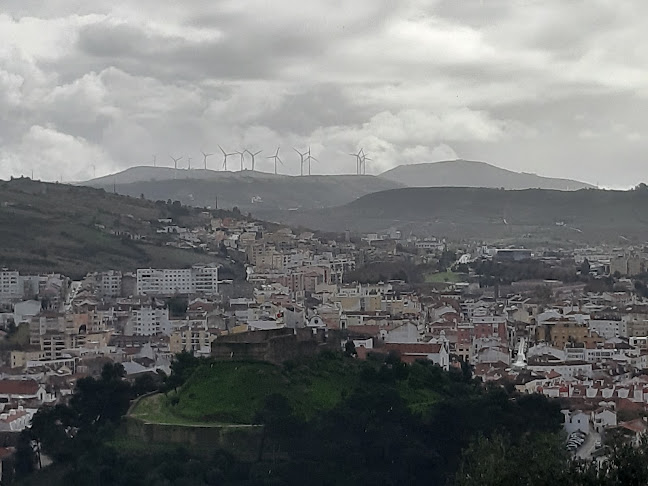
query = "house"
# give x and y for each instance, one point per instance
(438, 353)
(407, 333)
(15, 420)
(603, 418)
(576, 420)
(21, 390)
(635, 429)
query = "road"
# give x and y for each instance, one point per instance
(585, 451)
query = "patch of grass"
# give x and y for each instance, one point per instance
(442, 277)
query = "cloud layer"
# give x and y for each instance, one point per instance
(552, 87)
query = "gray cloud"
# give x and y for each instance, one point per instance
(552, 87)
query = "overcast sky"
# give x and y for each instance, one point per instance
(555, 87)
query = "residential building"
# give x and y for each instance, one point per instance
(200, 279)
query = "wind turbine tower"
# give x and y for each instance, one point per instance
(358, 158)
(309, 158)
(225, 155)
(301, 161)
(276, 158)
(175, 164)
(363, 164)
(205, 156)
(242, 154)
(252, 155)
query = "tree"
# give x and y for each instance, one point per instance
(350, 349)
(585, 267)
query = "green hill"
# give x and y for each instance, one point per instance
(587, 215)
(233, 392)
(61, 228)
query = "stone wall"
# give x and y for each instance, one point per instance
(242, 441)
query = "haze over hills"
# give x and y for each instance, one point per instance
(465, 173)
(586, 215)
(248, 190)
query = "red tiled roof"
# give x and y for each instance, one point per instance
(637, 426)
(15, 416)
(414, 348)
(18, 387)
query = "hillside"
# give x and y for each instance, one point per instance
(465, 173)
(560, 216)
(60, 228)
(250, 191)
(233, 392)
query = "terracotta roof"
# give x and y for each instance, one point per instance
(637, 425)
(18, 387)
(12, 417)
(414, 348)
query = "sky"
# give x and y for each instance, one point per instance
(553, 87)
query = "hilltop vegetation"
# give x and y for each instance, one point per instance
(60, 228)
(235, 392)
(587, 215)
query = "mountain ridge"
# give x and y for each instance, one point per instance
(470, 173)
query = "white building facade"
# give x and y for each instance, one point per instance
(199, 279)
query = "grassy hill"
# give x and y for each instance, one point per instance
(249, 190)
(233, 392)
(486, 214)
(466, 173)
(61, 228)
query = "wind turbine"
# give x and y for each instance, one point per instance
(363, 164)
(225, 155)
(309, 158)
(358, 158)
(205, 158)
(276, 158)
(301, 160)
(175, 164)
(253, 155)
(242, 154)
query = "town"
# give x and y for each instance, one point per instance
(582, 340)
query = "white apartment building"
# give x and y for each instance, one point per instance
(10, 285)
(199, 279)
(148, 321)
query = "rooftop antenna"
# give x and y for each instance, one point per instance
(242, 154)
(205, 158)
(225, 155)
(301, 160)
(252, 155)
(276, 158)
(309, 158)
(175, 164)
